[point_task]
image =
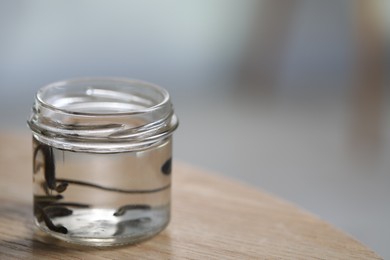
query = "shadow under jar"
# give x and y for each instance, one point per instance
(102, 154)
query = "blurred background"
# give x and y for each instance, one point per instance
(289, 96)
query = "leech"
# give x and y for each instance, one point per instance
(71, 204)
(50, 176)
(83, 183)
(50, 225)
(122, 210)
(61, 187)
(48, 198)
(167, 167)
(57, 211)
(121, 226)
(44, 201)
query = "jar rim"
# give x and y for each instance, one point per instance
(102, 114)
(40, 99)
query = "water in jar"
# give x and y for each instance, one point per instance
(102, 198)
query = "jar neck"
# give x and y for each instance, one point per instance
(102, 115)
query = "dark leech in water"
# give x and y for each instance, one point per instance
(72, 204)
(57, 211)
(97, 186)
(122, 210)
(51, 200)
(167, 167)
(62, 187)
(52, 227)
(121, 226)
(49, 168)
(47, 198)
(50, 175)
(41, 215)
(41, 203)
(47, 207)
(44, 206)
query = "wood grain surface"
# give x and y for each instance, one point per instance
(212, 218)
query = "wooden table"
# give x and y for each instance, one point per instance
(212, 218)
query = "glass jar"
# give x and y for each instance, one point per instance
(102, 154)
